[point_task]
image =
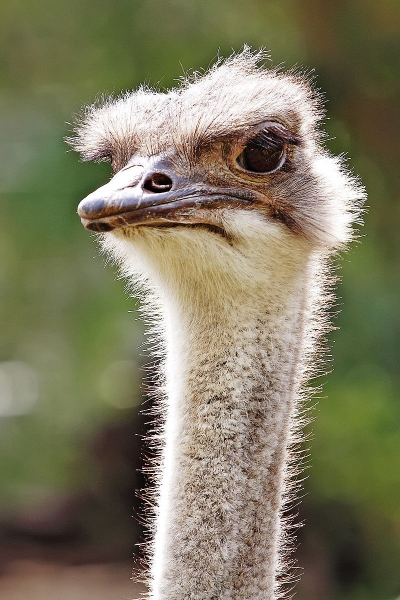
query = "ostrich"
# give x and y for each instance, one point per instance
(226, 209)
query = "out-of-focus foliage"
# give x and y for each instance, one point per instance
(67, 333)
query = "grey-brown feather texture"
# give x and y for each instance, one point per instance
(239, 313)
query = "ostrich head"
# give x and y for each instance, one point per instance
(239, 140)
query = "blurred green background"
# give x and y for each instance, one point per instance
(68, 455)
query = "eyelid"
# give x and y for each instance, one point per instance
(277, 129)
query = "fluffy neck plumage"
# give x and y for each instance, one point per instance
(237, 326)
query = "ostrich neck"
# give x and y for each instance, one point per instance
(232, 372)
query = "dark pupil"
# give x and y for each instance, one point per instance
(262, 154)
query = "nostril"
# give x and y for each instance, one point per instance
(158, 182)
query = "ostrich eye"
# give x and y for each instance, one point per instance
(264, 153)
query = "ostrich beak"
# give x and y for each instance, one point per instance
(153, 195)
(135, 196)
